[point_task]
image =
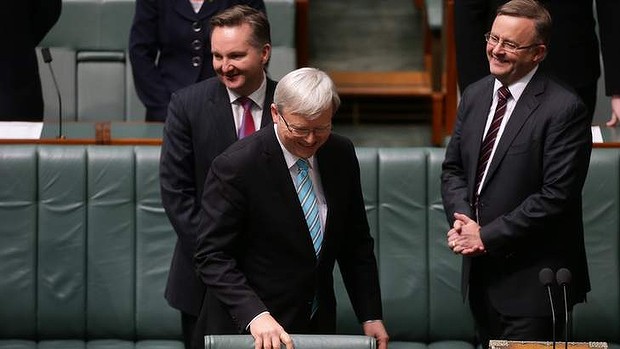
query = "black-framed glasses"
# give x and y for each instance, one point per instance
(508, 46)
(305, 132)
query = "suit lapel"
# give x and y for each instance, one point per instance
(524, 109)
(481, 109)
(266, 119)
(221, 109)
(279, 176)
(184, 8)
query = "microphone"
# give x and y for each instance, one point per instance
(563, 277)
(47, 58)
(546, 278)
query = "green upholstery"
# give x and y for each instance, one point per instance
(89, 48)
(300, 342)
(85, 248)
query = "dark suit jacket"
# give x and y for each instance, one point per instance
(24, 24)
(180, 36)
(199, 127)
(530, 203)
(573, 51)
(254, 248)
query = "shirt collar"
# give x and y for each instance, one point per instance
(258, 96)
(291, 159)
(516, 88)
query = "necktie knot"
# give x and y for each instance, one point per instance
(245, 102)
(302, 164)
(504, 93)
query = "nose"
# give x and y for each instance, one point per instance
(310, 138)
(226, 65)
(498, 48)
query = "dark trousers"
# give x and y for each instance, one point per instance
(490, 324)
(188, 324)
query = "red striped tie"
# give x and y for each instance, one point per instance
(489, 139)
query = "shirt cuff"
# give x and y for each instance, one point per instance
(371, 321)
(247, 328)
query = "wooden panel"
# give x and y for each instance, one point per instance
(394, 83)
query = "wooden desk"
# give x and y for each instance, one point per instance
(102, 133)
(611, 137)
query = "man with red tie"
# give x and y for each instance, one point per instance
(203, 120)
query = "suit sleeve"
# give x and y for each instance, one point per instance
(357, 261)
(454, 189)
(608, 11)
(220, 239)
(144, 45)
(567, 146)
(177, 181)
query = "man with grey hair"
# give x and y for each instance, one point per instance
(280, 207)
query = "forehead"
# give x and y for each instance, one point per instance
(323, 118)
(517, 29)
(231, 37)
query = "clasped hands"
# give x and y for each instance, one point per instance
(464, 237)
(268, 334)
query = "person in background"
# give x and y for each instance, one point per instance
(203, 120)
(24, 24)
(169, 47)
(573, 48)
(280, 208)
(511, 183)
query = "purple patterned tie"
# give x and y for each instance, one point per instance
(489, 140)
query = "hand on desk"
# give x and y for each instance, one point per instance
(377, 330)
(268, 334)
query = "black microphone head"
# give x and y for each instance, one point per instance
(563, 276)
(546, 276)
(47, 56)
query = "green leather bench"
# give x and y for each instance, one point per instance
(85, 248)
(89, 46)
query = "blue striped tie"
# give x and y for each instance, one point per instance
(309, 204)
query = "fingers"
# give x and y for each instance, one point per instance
(461, 217)
(268, 334)
(286, 339)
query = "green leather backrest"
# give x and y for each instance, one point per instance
(599, 318)
(89, 48)
(446, 303)
(402, 240)
(84, 244)
(85, 248)
(420, 295)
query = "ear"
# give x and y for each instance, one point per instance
(274, 113)
(265, 54)
(540, 52)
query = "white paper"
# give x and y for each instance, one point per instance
(20, 130)
(597, 136)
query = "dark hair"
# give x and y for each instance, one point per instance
(240, 14)
(533, 10)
